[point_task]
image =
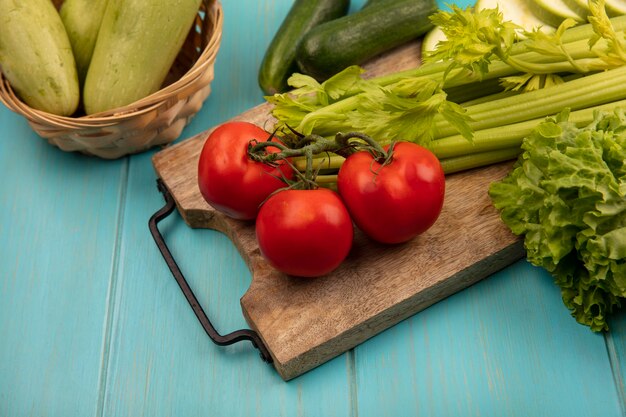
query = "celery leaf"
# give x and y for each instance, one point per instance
(530, 81)
(402, 110)
(472, 38)
(603, 29)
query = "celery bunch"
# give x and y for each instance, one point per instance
(577, 67)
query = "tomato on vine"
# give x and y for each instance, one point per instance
(229, 180)
(393, 198)
(305, 233)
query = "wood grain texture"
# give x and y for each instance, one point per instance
(306, 322)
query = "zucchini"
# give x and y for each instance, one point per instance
(613, 8)
(616, 7)
(82, 19)
(554, 12)
(516, 11)
(279, 60)
(580, 7)
(353, 39)
(136, 46)
(36, 56)
(432, 39)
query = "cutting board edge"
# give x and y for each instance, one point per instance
(302, 362)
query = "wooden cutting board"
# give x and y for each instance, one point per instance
(306, 322)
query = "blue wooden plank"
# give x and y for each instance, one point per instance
(616, 346)
(57, 234)
(504, 347)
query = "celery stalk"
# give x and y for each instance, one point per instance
(465, 162)
(320, 161)
(333, 117)
(452, 165)
(576, 39)
(326, 179)
(581, 93)
(473, 91)
(508, 136)
(413, 105)
(486, 141)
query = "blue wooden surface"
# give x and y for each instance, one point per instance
(91, 323)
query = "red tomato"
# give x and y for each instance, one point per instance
(305, 233)
(395, 202)
(228, 179)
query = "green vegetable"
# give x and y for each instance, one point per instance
(279, 61)
(517, 11)
(353, 39)
(414, 105)
(507, 136)
(464, 162)
(567, 196)
(616, 7)
(431, 39)
(554, 12)
(36, 56)
(137, 44)
(580, 93)
(82, 19)
(580, 6)
(489, 146)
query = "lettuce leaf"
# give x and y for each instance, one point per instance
(566, 195)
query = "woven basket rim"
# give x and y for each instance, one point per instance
(144, 105)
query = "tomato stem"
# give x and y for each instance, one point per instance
(370, 145)
(306, 147)
(315, 144)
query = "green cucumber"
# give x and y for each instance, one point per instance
(82, 19)
(353, 39)
(279, 61)
(137, 44)
(432, 39)
(36, 56)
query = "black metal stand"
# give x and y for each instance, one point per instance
(229, 339)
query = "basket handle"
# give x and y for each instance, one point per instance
(229, 339)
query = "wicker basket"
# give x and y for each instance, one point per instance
(154, 120)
